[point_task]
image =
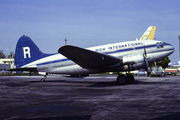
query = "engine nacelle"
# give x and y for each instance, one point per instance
(132, 62)
(133, 59)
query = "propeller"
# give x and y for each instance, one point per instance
(145, 58)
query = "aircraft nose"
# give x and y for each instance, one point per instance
(171, 48)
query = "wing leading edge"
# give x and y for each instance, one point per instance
(87, 58)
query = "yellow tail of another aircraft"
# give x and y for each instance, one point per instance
(149, 33)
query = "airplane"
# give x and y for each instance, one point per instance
(75, 61)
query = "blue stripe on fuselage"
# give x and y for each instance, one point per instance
(62, 60)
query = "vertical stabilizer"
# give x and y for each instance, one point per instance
(149, 33)
(26, 51)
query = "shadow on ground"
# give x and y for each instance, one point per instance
(85, 117)
(174, 116)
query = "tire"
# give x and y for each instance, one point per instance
(130, 78)
(42, 80)
(121, 80)
(174, 74)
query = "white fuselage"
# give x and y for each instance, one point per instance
(57, 63)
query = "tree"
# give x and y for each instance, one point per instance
(11, 55)
(2, 55)
(163, 63)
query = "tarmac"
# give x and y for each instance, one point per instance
(97, 97)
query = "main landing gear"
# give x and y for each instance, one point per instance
(122, 79)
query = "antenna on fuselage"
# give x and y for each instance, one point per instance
(65, 41)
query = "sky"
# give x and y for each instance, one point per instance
(87, 23)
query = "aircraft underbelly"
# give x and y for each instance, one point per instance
(72, 69)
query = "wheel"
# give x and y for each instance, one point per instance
(174, 74)
(42, 80)
(130, 78)
(121, 79)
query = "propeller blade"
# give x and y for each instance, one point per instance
(145, 58)
(144, 50)
(146, 63)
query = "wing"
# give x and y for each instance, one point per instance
(87, 58)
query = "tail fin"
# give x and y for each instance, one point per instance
(26, 51)
(149, 33)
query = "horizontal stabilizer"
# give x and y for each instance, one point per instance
(87, 58)
(24, 69)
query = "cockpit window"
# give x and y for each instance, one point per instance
(160, 44)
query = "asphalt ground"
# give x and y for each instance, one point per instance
(97, 97)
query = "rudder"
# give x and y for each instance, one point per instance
(26, 51)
